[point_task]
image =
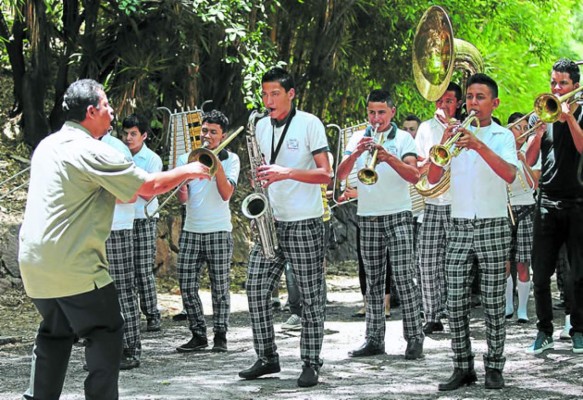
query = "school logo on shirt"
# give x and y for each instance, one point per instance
(293, 144)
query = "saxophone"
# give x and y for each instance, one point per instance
(256, 206)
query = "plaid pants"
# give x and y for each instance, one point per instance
(216, 248)
(144, 256)
(395, 233)
(521, 240)
(487, 240)
(301, 244)
(432, 239)
(120, 254)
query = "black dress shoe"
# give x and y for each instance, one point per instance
(181, 316)
(431, 327)
(414, 348)
(196, 343)
(308, 377)
(458, 379)
(153, 325)
(368, 349)
(494, 379)
(129, 363)
(220, 342)
(261, 368)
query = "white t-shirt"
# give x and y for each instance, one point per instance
(206, 211)
(476, 191)
(292, 200)
(123, 215)
(520, 192)
(429, 134)
(150, 162)
(390, 194)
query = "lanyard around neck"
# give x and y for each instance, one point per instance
(275, 151)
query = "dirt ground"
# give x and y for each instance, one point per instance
(166, 374)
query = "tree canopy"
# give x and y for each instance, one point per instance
(179, 53)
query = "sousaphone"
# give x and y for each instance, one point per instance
(436, 55)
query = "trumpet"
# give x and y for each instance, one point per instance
(203, 155)
(441, 154)
(368, 175)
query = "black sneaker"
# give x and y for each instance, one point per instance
(494, 379)
(261, 368)
(153, 325)
(414, 348)
(308, 377)
(431, 327)
(220, 342)
(367, 349)
(196, 343)
(181, 316)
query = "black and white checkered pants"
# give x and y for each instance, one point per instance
(377, 235)
(145, 232)
(521, 240)
(216, 249)
(301, 244)
(488, 240)
(120, 254)
(432, 243)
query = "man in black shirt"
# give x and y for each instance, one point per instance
(559, 214)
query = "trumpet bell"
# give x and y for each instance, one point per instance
(368, 176)
(440, 155)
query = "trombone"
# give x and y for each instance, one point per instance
(368, 175)
(203, 155)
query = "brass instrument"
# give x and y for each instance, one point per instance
(436, 55)
(340, 186)
(256, 206)
(203, 155)
(441, 154)
(368, 175)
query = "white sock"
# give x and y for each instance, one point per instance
(568, 325)
(509, 296)
(523, 289)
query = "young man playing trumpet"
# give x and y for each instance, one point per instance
(558, 217)
(206, 237)
(479, 229)
(436, 217)
(386, 223)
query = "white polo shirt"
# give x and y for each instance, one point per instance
(520, 192)
(206, 211)
(390, 195)
(429, 134)
(292, 200)
(476, 191)
(123, 215)
(150, 162)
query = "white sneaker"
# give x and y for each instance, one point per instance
(565, 335)
(293, 323)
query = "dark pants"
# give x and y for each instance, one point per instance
(556, 223)
(361, 273)
(95, 316)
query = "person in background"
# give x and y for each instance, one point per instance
(411, 124)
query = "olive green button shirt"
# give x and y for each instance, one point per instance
(74, 182)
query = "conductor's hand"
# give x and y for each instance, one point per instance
(197, 170)
(269, 174)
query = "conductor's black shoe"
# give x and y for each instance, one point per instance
(368, 349)
(494, 379)
(153, 325)
(181, 316)
(431, 327)
(414, 348)
(308, 377)
(458, 379)
(129, 363)
(196, 343)
(220, 342)
(261, 368)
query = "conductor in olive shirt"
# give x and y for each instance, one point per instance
(74, 182)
